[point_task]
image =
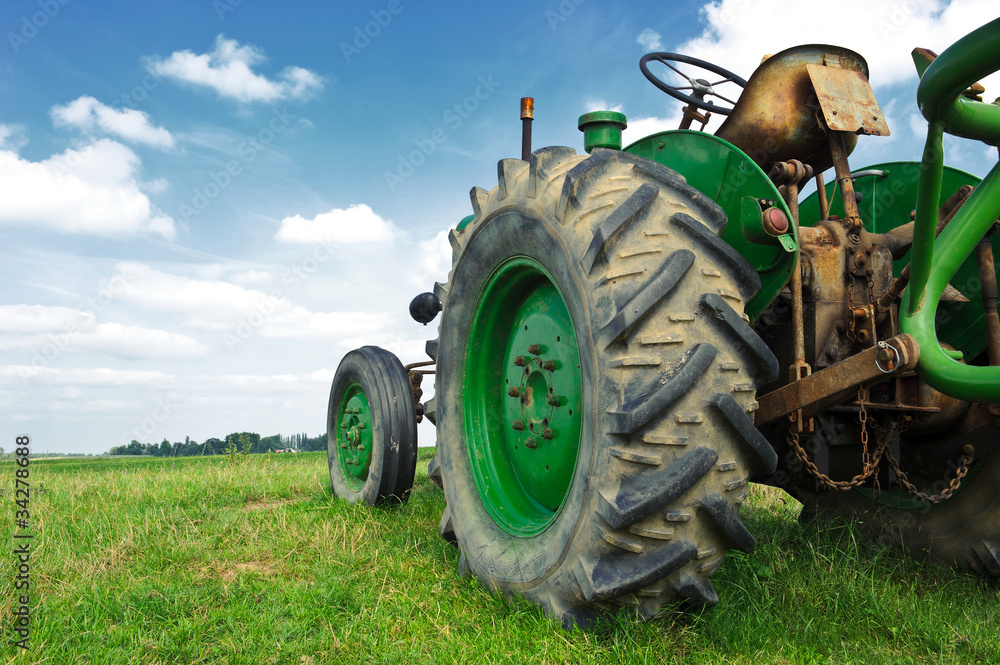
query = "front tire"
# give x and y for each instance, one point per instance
(595, 376)
(371, 433)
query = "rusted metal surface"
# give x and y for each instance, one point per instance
(988, 290)
(416, 377)
(824, 207)
(827, 387)
(837, 142)
(789, 175)
(776, 120)
(847, 101)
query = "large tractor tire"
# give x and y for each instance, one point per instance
(962, 531)
(371, 429)
(594, 386)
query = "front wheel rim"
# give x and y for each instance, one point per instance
(522, 398)
(354, 437)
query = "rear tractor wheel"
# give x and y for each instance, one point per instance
(594, 383)
(371, 432)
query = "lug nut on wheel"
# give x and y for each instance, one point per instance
(518, 425)
(531, 443)
(534, 349)
(514, 391)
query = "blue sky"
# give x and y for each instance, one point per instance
(204, 205)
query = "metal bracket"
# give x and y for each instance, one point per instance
(820, 390)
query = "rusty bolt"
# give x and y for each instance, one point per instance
(860, 260)
(519, 361)
(549, 365)
(513, 391)
(553, 400)
(518, 425)
(531, 443)
(361, 425)
(547, 434)
(534, 349)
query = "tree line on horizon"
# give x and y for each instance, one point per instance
(240, 442)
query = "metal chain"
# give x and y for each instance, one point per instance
(869, 462)
(968, 454)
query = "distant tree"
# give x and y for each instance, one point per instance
(214, 446)
(245, 442)
(269, 444)
(314, 443)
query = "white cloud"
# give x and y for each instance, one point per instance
(358, 223)
(642, 127)
(50, 330)
(435, 260)
(12, 137)
(219, 305)
(117, 339)
(92, 190)
(39, 319)
(228, 69)
(885, 37)
(650, 40)
(601, 105)
(89, 115)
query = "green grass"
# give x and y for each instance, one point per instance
(202, 560)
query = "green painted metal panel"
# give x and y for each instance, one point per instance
(724, 173)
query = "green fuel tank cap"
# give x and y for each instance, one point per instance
(602, 129)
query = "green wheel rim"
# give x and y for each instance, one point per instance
(522, 398)
(354, 436)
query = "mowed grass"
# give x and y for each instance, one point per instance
(203, 560)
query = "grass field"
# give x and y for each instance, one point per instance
(212, 560)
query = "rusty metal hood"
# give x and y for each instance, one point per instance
(779, 116)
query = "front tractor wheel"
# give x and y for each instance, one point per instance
(371, 432)
(595, 376)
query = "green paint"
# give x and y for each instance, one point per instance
(935, 262)
(354, 436)
(602, 129)
(522, 476)
(724, 173)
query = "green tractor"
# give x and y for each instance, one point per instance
(629, 337)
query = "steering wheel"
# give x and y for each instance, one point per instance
(699, 87)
